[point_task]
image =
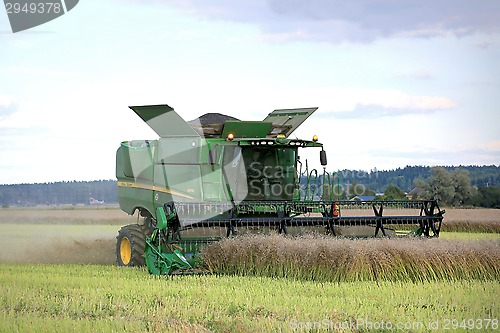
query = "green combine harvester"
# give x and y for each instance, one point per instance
(217, 176)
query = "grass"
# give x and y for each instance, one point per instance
(472, 226)
(93, 298)
(339, 259)
(469, 236)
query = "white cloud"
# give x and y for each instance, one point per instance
(399, 100)
(419, 75)
(484, 45)
(6, 100)
(355, 102)
(493, 146)
(7, 106)
(364, 20)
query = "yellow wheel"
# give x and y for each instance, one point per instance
(125, 251)
(130, 245)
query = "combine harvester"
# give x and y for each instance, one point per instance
(217, 177)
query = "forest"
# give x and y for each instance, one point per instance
(378, 180)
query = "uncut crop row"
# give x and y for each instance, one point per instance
(337, 259)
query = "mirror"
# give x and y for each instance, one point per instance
(322, 157)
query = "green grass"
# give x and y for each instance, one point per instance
(92, 298)
(471, 226)
(469, 236)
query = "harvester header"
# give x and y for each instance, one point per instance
(217, 176)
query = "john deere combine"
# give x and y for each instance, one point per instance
(217, 177)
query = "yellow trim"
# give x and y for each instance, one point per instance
(153, 188)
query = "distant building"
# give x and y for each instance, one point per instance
(363, 198)
(414, 194)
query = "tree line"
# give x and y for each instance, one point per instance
(378, 180)
(454, 186)
(59, 193)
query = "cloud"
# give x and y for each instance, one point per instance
(493, 145)
(7, 106)
(361, 21)
(393, 103)
(377, 111)
(342, 102)
(483, 45)
(487, 147)
(419, 75)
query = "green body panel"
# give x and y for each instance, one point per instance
(131, 199)
(178, 150)
(138, 159)
(246, 129)
(134, 172)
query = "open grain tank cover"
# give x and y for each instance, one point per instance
(164, 121)
(285, 121)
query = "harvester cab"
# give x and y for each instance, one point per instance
(217, 176)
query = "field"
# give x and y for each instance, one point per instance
(57, 273)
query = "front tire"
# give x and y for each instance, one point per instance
(130, 245)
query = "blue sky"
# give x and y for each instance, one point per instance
(397, 82)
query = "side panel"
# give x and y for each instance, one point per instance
(137, 159)
(134, 172)
(211, 170)
(212, 183)
(177, 182)
(177, 172)
(178, 150)
(132, 195)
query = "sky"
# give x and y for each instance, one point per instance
(397, 83)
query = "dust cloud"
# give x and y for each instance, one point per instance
(49, 246)
(98, 251)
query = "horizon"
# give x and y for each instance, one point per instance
(350, 170)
